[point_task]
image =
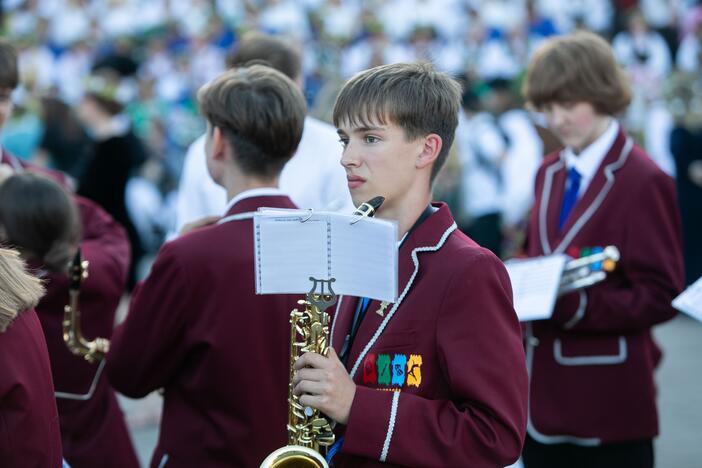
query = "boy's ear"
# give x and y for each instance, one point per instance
(430, 151)
(219, 144)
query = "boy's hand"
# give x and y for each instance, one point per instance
(323, 383)
(202, 222)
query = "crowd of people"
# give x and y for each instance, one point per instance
(159, 53)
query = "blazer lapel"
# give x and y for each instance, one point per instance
(427, 237)
(550, 204)
(595, 193)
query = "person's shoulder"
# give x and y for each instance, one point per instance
(643, 168)
(207, 242)
(467, 254)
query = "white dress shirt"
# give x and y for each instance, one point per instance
(589, 159)
(313, 178)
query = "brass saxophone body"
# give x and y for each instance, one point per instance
(92, 351)
(308, 430)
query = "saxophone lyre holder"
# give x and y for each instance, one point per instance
(580, 273)
(92, 351)
(308, 430)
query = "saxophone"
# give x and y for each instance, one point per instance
(308, 430)
(92, 351)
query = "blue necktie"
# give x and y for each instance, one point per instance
(570, 196)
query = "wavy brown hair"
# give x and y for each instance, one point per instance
(19, 290)
(580, 67)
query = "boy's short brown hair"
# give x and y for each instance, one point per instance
(269, 50)
(414, 96)
(261, 113)
(580, 67)
(9, 76)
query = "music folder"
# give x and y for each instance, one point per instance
(293, 245)
(535, 284)
(690, 301)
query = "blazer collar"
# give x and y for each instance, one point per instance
(252, 204)
(555, 241)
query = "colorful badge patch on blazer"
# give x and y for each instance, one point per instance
(393, 370)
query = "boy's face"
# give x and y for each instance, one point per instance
(577, 125)
(379, 160)
(5, 105)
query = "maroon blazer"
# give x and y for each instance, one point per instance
(220, 352)
(440, 374)
(591, 365)
(93, 430)
(19, 165)
(29, 425)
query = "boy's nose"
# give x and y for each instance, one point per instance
(349, 158)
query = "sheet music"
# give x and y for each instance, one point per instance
(292, 245)
(535, 285)
(690, 301)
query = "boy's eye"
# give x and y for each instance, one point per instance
(371, 139)
(344, 141)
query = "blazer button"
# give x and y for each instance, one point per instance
(533, 341)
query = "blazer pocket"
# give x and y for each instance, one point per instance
(590, 350)
(396, 341)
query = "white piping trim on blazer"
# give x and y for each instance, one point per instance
(543, 207)
(596, 360)
(237, 217)
(580, 313)
(164, 460)
(533, 432)
(578, 225)
(84, 396)
(391, 426)
(336, 314)
(390, 314)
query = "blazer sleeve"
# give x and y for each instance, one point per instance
(149, 346)
(105, 245)
(651, 266)
(480, 348)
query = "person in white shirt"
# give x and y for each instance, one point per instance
(313, 177)
(482, 148)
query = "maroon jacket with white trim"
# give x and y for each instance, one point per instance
(220, 352)
(440, 374)
(93, 430)
(591, 365)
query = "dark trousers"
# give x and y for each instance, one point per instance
(637, 454)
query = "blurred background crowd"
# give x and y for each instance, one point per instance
(142, 61)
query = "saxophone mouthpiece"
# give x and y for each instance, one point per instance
(369, 208)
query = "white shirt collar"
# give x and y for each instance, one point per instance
(257, 192)
(589, 159)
